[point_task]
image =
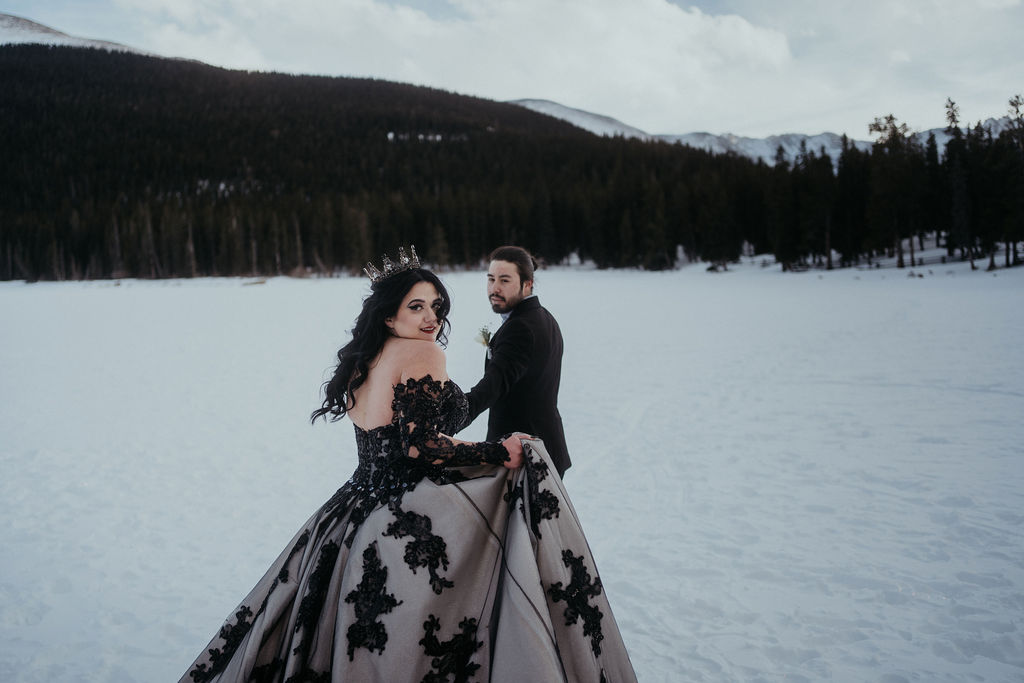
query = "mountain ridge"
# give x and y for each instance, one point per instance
(764, 149)
(15, 29)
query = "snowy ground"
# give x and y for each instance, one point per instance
(784, 477)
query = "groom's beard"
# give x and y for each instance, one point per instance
(502, 305)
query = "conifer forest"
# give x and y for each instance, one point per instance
(122, 165)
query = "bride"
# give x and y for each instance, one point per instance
(439, 559)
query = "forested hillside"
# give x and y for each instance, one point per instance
(120, 165)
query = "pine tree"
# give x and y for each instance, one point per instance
(959, 218)
(896, 182)
(933, 218)
(1015, 231)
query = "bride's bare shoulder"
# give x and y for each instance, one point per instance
(415, 358)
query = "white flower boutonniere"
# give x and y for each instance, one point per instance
(484, 337)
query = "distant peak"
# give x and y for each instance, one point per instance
(11, 22)
(18, 30)
(597, 124)
(764, 149)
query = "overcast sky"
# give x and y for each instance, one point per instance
(749, 67)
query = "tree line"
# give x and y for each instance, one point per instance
(121, 165)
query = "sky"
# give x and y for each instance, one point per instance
(746, 67)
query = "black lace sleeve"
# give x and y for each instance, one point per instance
(417, 410)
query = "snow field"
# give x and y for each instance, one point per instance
(783, 477)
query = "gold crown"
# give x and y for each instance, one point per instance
(389, 267)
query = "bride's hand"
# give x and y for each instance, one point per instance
(514, 445)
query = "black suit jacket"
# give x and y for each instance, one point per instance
(521, 379)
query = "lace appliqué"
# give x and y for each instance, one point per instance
(371, 600)
(282, 576)
(425, 549)
(542, 504)
(394, 458)
(381, 478)
(577, 597)
(307, 676)
(450, 657)
(316, 592)
(232, 635)
(422, 409)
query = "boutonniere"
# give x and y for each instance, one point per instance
(484, 337)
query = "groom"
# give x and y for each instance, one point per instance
(523, 367)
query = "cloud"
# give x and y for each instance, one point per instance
(899, 57)
(860, 60)
(635, 61)
(998, 4)
(666, 67)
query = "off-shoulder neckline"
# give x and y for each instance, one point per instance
(425, 379)
(401, 388)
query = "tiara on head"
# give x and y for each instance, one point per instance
(389, 267)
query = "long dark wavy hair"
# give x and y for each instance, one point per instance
(369, 335)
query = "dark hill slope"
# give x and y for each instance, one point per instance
(119, 164)
(165, 123)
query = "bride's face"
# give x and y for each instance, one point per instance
(417, 315)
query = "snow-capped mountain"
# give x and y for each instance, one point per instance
(753, 148)
(995, 126)
(19, 30)
(595, 123)
(766, 149)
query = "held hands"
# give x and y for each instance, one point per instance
(514, 445)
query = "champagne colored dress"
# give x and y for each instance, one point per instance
(445, 566)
